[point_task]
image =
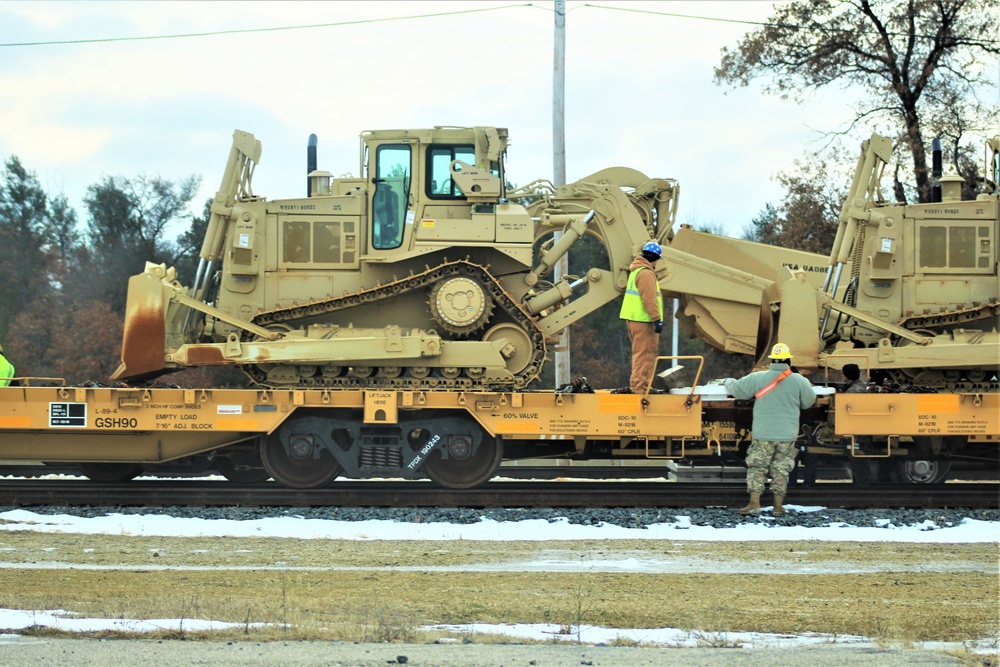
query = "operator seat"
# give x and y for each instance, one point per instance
(385, 217)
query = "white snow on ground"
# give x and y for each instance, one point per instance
(586, 564)
(67, 621)
(58, 619)
(155, 525)
(674, 638)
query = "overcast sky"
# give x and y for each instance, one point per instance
(639, 91)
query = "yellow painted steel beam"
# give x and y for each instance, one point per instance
(917, 414)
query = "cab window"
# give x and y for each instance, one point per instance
(439, 184)
(392, 192)
(296, 242)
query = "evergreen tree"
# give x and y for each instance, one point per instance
(25, 236)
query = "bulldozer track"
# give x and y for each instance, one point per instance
(951, 318)
(407, 380)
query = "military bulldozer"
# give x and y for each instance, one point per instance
(420, 273)
(911, 293)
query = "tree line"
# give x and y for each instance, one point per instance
(63, 286)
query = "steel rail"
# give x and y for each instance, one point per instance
(181, 492)
(732, 474)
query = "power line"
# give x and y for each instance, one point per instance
(765, 24)
(678, 16)
(215, 33)
(254, 30)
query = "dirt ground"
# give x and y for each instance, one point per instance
(387, 591)
(173, 653)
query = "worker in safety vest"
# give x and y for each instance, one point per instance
(6, 370)
(642, 308)
(779, 395)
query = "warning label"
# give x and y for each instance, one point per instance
(68, 415)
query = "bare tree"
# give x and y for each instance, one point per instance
(920, 64)
(128, 219)
(807, 217)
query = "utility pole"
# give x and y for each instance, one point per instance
(559, 165)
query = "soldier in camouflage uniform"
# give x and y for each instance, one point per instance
(853, 384)
(779, 396)
(770, 457)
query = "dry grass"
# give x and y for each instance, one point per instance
(373, 604)
(131, 550)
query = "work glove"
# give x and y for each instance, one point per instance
(658, 326)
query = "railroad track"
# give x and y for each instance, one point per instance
(732, 474)
(181, 492)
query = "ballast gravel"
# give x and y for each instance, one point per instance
(930, 519)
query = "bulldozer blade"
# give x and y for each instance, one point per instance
(144, 339)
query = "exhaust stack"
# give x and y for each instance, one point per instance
(936, 170)
(310, 162)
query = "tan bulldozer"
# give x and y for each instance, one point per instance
(911, 292)
(424, 272)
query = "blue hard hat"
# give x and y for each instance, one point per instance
(652, 247)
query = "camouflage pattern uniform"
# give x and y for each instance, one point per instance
(770, 456)
(857, 387)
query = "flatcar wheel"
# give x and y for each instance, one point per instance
(921, 472)
(109, 473)
(302, 465)
(464, 469)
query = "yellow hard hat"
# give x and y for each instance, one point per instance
(780, 351)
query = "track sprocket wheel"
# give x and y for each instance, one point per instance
(460, 305)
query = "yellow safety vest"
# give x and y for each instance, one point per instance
(632, 308)
(6, 371)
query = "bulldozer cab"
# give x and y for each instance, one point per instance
(432, 186)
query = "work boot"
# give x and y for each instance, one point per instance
(753, 506)
(779, 508)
